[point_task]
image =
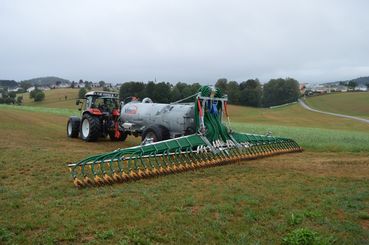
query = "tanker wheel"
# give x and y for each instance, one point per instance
(123, 136)
(90, 128)
(73, 127)
(156, 133)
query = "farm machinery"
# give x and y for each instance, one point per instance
(176, 138)
(100, 114)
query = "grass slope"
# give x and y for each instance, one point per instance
(258, 201)
(323, 189)
(354, 104)
(293, 115)
(55, 98)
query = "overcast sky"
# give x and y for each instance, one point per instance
(188, 40)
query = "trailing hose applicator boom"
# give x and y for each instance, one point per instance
(212, 144)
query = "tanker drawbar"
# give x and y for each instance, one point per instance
(212, 144)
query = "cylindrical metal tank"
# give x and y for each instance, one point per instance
(176, 117)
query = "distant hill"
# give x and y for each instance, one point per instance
(359, 81)
(46, 81)
(8, 83)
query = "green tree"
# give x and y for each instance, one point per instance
(251, 93)
(19, 100)
(39, 96)
(352, 85)
(102, 84)
(33, 93)
(233, 92)
(175, 94)
(81, 93)
(128, 89)
(222, 85)
(195, 88)
(280, 91)
(25, 85)
(149, 90)
(12, 95)
(162, 92)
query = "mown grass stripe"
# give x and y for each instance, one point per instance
(58, 111)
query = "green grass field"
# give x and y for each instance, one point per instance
(324, 189)
(354, 104)
(55, 98)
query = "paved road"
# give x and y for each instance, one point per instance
(303, 104)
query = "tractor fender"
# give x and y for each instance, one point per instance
(93, 111)
(75, 119)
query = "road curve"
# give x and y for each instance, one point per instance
(303, 104)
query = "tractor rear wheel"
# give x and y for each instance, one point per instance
(73, 127)
(90, 128)
(156, 133)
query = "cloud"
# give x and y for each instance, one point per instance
(192, 41)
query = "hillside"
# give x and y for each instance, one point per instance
(8, 83)
(55, 98)
(354, 104)
(359, 81)
(45, 81)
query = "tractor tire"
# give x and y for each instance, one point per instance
(90, 128)
(73, 127)
(123, 136)
(156, 132)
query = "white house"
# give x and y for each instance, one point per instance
(339, 88)
(43, 88)
(361, 88)
(15, 89)
(30, 89)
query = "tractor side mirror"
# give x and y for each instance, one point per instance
(78, 102)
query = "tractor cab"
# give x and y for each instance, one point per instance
(104, 102)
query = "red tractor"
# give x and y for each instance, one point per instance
(99, 118)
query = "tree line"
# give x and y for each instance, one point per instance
(249, 93)
(252, 93)
(162, 92)
(10, 97)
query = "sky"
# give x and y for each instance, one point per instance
(190, 40)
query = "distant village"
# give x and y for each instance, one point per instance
(327, 88)
(59, 85)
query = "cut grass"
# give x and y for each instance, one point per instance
(293, 115)
(57, 111)
(313, 139)
(250, 202)
(258, 202)
(55, 98)
(350, 103)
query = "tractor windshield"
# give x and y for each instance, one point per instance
(106, 104)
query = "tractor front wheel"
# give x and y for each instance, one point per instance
(73, 127)
(90, 128)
